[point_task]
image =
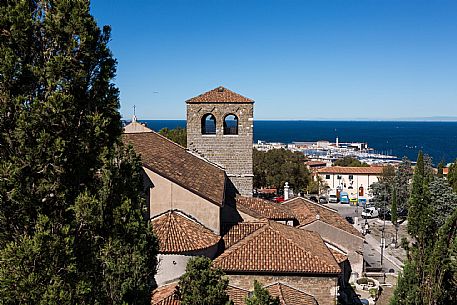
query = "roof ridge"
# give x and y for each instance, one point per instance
(164, 137)
(281, 294)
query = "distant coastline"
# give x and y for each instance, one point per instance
(400, 138)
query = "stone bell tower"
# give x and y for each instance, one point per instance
(220, 128)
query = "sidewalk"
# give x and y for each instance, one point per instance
(376, 245)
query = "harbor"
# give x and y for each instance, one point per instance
(328, 152)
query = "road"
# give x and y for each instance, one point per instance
(372, 247)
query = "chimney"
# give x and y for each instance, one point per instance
(286, 191)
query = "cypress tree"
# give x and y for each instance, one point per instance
(452, 175)
(394, 213)
(72, 225)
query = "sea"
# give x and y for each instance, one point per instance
(437, 139)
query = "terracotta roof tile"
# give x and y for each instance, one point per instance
(307, 212)
(165, 295)
(238, 232)
(277, 248)
(237, 295)
(339, 257)
(175, 163)
(219, 95)
(371, 170)
(290, 296)
(177, 233)
(261, 208)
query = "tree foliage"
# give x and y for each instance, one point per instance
(177, 135)
(202, 284)
(382, 190)
(277, 166)
(72, 229)
(261, 296)
(429, 274)
(452, 175)
(444, 200)
(350, 162)
(403, 177)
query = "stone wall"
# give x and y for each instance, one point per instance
(172, 266)
(349, 243)
(232, 152)
(165, 195)
(324, 289)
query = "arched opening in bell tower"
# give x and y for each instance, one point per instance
(208, 124)
(230, 124)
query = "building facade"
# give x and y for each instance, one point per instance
(220, 129)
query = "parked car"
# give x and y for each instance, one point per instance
(278, 199)
(313, 198)
(344, 198)
(333, 198)
(401, 214)
(370, 213)
(323, 199)
(350, 220)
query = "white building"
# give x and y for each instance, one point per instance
(353, 180)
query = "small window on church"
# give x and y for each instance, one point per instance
(231, 125)
(208, 124)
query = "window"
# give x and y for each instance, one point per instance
(339, 177)
(230, 124)
(351, 177)
(208, 124)
(327, 177)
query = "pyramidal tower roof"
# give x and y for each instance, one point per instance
(219, 95)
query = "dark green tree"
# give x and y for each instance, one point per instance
(177, 135)
(440, 169)
(444, 200)
(452, 176)
(72, 228)
(441, 286)
(202, 284)
(403, 176)
(277, 166)
(261, 296)
(350, 162)
(382, 190)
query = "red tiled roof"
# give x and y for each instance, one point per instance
(261, 208)
(238, 232)
(165, 295)
(173, 162)
(219, 95)
(177, 233)
(237, 295)
(277, 248)
(445, 170)
(306, 212)
(290, 296)
(339, 257)
(371, 170)
(315, 163)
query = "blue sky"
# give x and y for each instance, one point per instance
(320, 59)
